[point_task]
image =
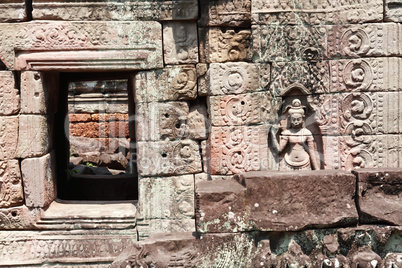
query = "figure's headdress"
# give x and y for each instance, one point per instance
(296, 108)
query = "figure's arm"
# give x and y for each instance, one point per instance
(279, 147)
(315, 163)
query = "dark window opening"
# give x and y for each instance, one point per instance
(95, 137)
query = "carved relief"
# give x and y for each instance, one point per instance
(10, 184)
(9, 95)
(155, 226)
(294, 257)
(8, 136)
(224, 13)
(313, 76)
(167, 197)
(12, 10)
(169, 120)
(223, 46)
(243, 109)
(296, 141)
(17, 218)
(288, 43)
(33, 247)
(264, 256)
(313, 12)
(393, 260)
(180, 42)
(127, 10)
(330, 256)
(168, 158)
(392, 11)
(366, 75)
(171, 83)
(138, 43)
(365, 257)
(238, 149)
(371, 39)
(237, 78)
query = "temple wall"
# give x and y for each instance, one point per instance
(214, 86)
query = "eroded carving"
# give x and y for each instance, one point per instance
(225, 13)
(294, 257)
(180, 42)
(223, 46)
(9, 101)
(10, 184)
(296, 141)
(238, 149)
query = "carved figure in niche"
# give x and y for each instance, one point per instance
(296, 141)
(330, 256)
(264, 257)
(294, 257)
(366, 258)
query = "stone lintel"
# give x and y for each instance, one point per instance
(277, 201)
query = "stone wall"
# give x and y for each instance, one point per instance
(216, 86)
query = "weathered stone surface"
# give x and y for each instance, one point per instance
(308, 77)
(168, 158)
(81, 45)
(12, 10)
(276, 201)
(362, 40)
(170, 84)
(11, 193)
(202, 79)
(10, 98)
(224, 13)
(33, 137)
(237, 78)
(393, 11)
(169, 120)
(37, 93)
(39, 180)
(238, 149)
(18, 218)
(380, 194)
(123, 10)
(243, 109)
(369, 74)
(147, 228)
(180, 42)
(90, 130)
(273, 43)
(217, 45)
(167, 197)
(53, 248)
(8, 136)
(347, 247)
(312, 12)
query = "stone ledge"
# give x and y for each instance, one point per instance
(379, 195)
(277, 201)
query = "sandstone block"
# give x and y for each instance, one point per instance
(33, 137)
(169, 120)
(309, 77)
(34, 95)
(237, 78)
(202, 79)
(364, 40)
(168, 158)
(273, 43)
(170, 84)
(10, 98)
(80, 118)
(223, 13)
(238, 149)
(82, 45)
(311, 12)
(147, 228)
(180, 42)
(17, 218)
(39, 180)
(11, 193)
(167, 197)
(8, 136)
(243, 109)
(217, 45)
(368, 74)
(380, 193)
(276, 201)
(12, 10)
(127, 10)
(393, 11)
